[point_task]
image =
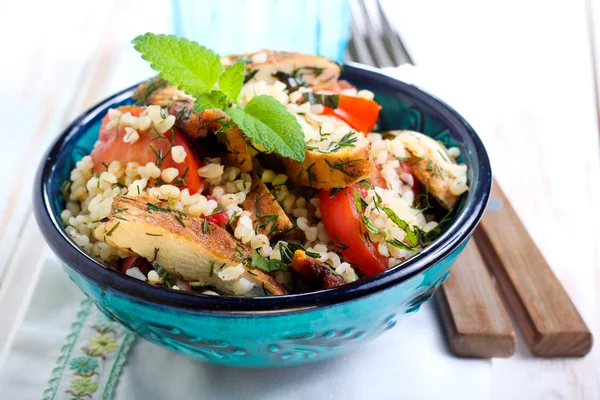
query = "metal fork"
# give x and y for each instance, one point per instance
(373, 39)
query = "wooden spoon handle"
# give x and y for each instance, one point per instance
(550, 323)
(474, 318)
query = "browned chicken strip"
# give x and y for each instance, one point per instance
(433, 167)
(314, 272)
(318, 72)
(157, 91)
(187, 246)
(338, 169)
(265, 212)
(195, 125)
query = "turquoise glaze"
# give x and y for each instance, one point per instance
(273, 331)
(269, 340)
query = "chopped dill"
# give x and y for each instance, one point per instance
(113, 228)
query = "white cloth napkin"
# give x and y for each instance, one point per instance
(410, 361)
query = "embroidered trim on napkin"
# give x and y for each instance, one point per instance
(91, 359)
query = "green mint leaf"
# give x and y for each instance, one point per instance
(267, 265)
(232, 79)
(211, 100)
(184, 63)
(268, 123)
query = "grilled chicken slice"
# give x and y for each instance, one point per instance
(187, 246)
(316, 71)
(265, 212)
(316, 273)
(157, 91)
(434, 168)
(198, 125)
(337, 169)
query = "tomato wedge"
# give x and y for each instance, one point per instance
(344, 226)
(360, 114)
(145, 149)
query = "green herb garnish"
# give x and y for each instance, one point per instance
(197, 70)
(266, 264)
(113, 228)
(410, 235)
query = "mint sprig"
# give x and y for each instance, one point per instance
(197, 70)
(183, 63)
(266, 121)
(232, 79)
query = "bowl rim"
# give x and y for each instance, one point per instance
(107, 278)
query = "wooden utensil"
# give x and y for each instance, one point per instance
(474, 318)
(550, 323)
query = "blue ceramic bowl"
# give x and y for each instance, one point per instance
(284, 330)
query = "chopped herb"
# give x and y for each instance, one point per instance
(340, 166)
(327, 100)
(153, 234)
(212, 268)
(263, 222)
(357, 201)
(287, 250)
(180, 179)
(334, 192)
(154, 207)
(205, 227)
(341, 245)
(366, 184)
(232, 217)
(369, 225)
(105, 165)
(178, 218)
(113, 228)
(410, 235)
(442, 153)
(66, 186)
(429, 165)
(400, 245)
(316, 71)
(266, 264)
(387, 135)
(117, 210)
(348, 140)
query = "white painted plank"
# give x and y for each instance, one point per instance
(520, 71)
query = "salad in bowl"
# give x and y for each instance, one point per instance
(259, 174)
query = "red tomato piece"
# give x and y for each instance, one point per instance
(112, 147)
(360, 114)
(344, 226)
(219, 218)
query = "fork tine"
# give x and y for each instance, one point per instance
(358, 43)
(374, 35)
(392, 40)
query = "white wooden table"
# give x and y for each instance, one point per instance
(520, 71)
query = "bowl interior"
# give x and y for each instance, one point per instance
(403, 107)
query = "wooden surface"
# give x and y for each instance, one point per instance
(519, 71)
(549, 321)
(474, 318)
